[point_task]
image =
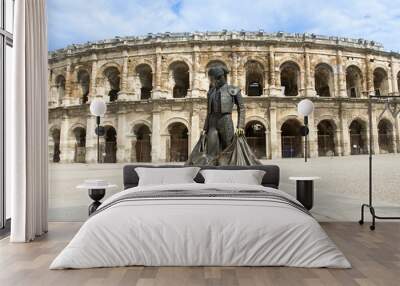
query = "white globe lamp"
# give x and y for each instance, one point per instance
(98, 108)
(305, 108)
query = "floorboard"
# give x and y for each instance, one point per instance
(375, 257)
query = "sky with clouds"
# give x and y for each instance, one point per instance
(79, 21)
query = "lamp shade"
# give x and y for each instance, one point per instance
(98, 107)
(305, 107)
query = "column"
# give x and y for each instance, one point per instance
(395, 87)
(157, 93)
(133, 140)
(68, 86)
(136, 95)
(65, 156)
(122, 144)
(346, 141)
(375, 135)
(369, 77)
(155, 138)
(52, 90)
(235, 69)
(397, 133)
(344, 133)
(195, 84)
(341, 79)
(275, 148)
(93, 91)
(91, 140)
(302, 83)
(308, 84)
(338, 140)
(240, 75)
(313, 137)
(273, 88)
(194, 128)
(266, 84)
(122, 95)
(267, 144)
(165, 147)
(50, 148)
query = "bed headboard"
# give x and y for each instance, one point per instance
(270, 179)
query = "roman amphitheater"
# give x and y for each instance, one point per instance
(155, 87)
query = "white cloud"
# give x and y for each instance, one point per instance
(75, 21)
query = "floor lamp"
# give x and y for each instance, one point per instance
(305, 108)
(393, 106)
(98, 108)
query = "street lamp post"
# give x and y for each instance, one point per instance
(305, 108)
(98, 108)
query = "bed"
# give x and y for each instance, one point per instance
(201, 224)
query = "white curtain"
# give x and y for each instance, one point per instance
(26, 117)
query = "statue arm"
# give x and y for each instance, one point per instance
(241, 110)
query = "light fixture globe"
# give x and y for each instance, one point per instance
(98, 107)
(305, 107)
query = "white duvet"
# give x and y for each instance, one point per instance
(200, 231)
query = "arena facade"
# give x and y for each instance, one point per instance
(155, 88)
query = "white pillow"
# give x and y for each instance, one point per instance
(166, 176)
(248, 177)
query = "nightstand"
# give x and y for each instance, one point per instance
(96, 190)
(305, 190)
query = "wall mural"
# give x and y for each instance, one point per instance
(163, 93)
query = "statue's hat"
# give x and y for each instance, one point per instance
(217, 71)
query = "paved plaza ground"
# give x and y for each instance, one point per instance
(338, 195)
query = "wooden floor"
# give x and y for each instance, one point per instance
(375, 257)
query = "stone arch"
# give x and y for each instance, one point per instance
(109, 146)
(139, 122)
(142, 144)
(289, 58)
(107, 65)
(60, 86)
(255, 135)
(112, 82)
(257, 118)
(178, 58)
(144, 73)
(386, 136)
(381, 82)
(291, 139)
(290, 78)
(180, 78)
(178, 142)
(358, 137)
(138, 62)
(255, 72)
(354, 81)
(283, 119)
(324, 80)
(326, 133)
(74, 126)
(79, 135)
(175, 120)
(256, 58)
(83, 82)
